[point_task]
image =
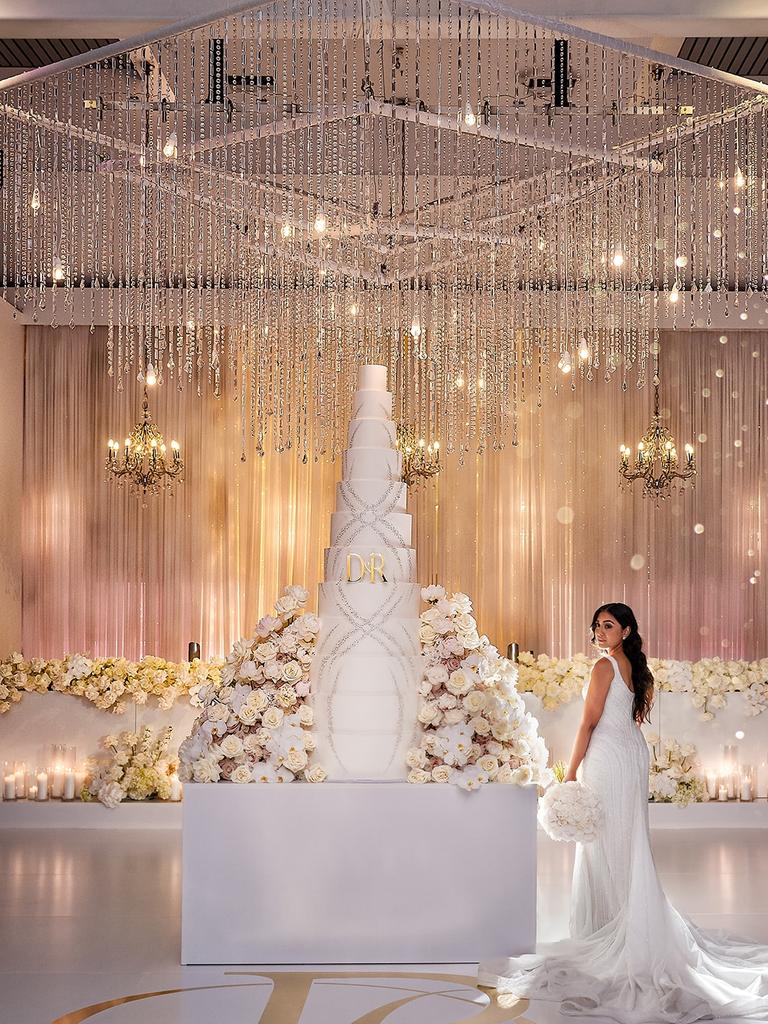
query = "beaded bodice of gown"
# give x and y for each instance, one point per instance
(632, 958)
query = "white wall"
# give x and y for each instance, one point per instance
(11, 479)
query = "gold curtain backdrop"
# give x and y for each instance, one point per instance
(537, 534)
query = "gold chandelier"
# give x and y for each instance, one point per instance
(143, 462)
(421, 460)
(656, 459)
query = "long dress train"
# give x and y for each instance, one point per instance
(632, 957)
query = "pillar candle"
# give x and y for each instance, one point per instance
(712, 785)
(730, 786)
(42, 785)
(68, 791)
(746, 788)
(175, 787)
(57, 783)
(32, 791)
(9, 787)
(722, 793)
(762, 780)
(21, 782)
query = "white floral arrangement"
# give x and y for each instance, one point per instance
(558, 681)
(140, 767)
(257, 726)
(571, 812)
(674, 772)
(475, 728)
(108, 683)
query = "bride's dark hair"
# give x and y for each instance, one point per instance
(642, 679)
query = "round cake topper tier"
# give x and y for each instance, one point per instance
(372, 378)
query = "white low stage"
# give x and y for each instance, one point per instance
(357, 873)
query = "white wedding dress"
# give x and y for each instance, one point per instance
(632, 957)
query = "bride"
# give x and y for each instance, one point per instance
(631, 956)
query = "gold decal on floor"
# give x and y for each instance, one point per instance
(290, 990)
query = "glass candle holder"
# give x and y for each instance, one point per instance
(21, 780)
(42, 784)
(747, 783)
(761, 774)
(9, 780)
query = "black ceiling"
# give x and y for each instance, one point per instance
(36, 53)
(740, 55)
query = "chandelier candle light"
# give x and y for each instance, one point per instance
(421, 460)
(144, 461)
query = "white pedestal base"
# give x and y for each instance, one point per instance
(357, 873)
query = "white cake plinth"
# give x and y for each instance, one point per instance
(357, 873)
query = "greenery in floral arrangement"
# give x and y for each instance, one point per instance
(674, 773)
(108, 683)
(139, 768)
(475, 728)
(257, 726)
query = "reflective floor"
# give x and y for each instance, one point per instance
(89, 930)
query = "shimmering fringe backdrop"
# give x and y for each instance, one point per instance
(539, 534)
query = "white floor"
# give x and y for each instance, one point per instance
(90, 917)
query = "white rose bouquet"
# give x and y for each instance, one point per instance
(257, 726)
(475, 728)
(139, 768)
(570, 812)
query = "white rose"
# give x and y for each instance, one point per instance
(248, 714)
(315, 774)
(251, 746)
(489, 765)
(266, 652)
(242, 774)
(258, 700)
(432, 593)
(437, 675)
(300, 594)
(418, 776)
(479, 725)
(504, 774)
(416, 758)
(459, 682)
(474, 701)
(442, 773)
(286, 605)
(296, 760)
(429, 713)
(426, 634)
(218, 713)
(306, 715)
(231, 746)
(292, 672)
(273, 669)
(249, 670)
(522, 776)
(454, 716)
(272, 718)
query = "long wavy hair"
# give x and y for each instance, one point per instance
(642, 679)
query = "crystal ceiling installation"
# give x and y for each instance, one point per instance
(489, 203)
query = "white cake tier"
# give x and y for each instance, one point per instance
(340, 638)
(372, 378)
(365, 681)
(397, 564)
(374, 405)
(366, 606)
(368, 530)
(372, 434)
(366, 497)
(372, 464)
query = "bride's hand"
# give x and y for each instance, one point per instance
(569, 778)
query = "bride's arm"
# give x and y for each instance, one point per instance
(602, 674)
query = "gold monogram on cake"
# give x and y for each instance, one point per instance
(373, 568)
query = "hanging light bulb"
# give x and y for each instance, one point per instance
(739, 181)
(151, 376)
(415, 329)
(681, 261)
(584, 352)
(170, 149)
(58, 269)
(618, 258)
(286, 230)
(353, 310)
(470, 118)
(565, 363)
(35, 201)
(674, 294)
(321, 223)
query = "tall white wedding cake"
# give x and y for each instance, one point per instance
(366, 670)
